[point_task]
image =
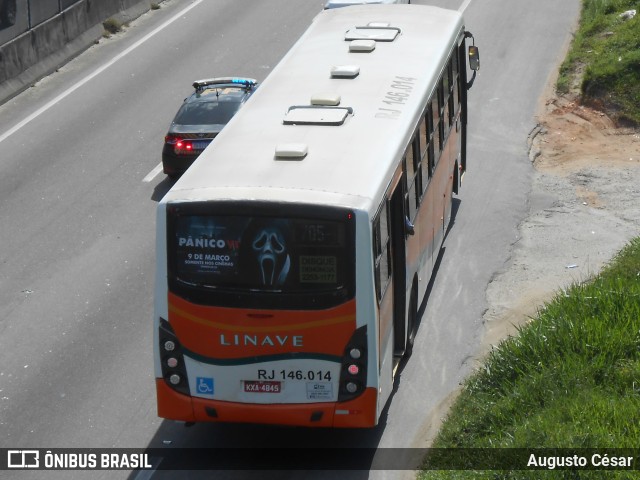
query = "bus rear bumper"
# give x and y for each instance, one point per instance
(358, 413)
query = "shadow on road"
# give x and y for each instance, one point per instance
(161, 189)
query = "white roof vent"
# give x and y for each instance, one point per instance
(345, 71)
(326, 99)
(291, 151)
(365, 46)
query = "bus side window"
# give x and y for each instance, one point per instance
(381, 250)
(425, 169)
(445, 118)
(430, 157)
(449, 91)
(417, 152)
(412, 178)
(446, 91)
(435, 133)
(455, 78)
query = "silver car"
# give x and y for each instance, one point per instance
(346, 3)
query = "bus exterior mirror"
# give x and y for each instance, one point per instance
(474, 58)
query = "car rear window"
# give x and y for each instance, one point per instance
(218, 111)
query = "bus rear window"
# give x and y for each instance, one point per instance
(260, 253)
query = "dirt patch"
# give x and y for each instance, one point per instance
(574, 136)
(584, 207)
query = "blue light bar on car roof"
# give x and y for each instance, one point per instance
(246, 82)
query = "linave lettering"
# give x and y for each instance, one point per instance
(246, 340)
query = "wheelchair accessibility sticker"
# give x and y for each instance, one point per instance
(204, 385)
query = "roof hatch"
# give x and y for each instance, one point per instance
(375, 31)
(316, 115)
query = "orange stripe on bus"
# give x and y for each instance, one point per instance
(270, 328)
(235, 333)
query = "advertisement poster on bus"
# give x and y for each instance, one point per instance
(255, 252)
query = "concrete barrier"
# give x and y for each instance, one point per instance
(41, 50)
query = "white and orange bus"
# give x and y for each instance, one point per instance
(293, 255)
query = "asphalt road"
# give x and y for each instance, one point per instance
(78, 189)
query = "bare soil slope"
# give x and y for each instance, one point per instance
(584, 207)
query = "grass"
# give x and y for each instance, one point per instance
(570, 378)
(604, 59)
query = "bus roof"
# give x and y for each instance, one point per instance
(343, 149)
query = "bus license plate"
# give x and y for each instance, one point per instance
(262, 386)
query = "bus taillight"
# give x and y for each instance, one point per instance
(172, 360)
(353, 375)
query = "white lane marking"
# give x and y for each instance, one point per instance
(464, 6)
(152, 174)
(74, 87)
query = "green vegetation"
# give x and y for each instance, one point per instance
(604, 59)
(155, 6)
(569, 379)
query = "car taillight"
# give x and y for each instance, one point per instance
(180, 145)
